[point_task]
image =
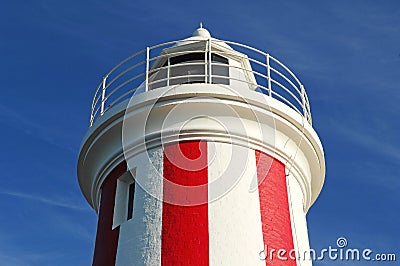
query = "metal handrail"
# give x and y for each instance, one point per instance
(140, 70)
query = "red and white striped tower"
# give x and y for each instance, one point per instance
(201, 152)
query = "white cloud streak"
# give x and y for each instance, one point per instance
(370, 142)
(44, 200)
(29, 127)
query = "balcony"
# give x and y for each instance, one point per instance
(203, 61)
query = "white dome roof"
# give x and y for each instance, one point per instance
(201, 32)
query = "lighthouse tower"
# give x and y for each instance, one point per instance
(201, 152)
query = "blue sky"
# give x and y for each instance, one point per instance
(54, 53)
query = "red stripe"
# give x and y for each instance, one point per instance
(274, 205)
(185, 228)
(105, 250)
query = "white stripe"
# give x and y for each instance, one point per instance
(140, 238)
(235, 230)
(298, 221)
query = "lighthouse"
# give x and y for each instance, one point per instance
(201, 152)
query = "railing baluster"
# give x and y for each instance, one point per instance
(103, 95)
(147, 68)
(303, 101)
(206, 61)
(168, 69)
(269, 76)
(209, 62)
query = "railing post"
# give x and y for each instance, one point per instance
(147, 68)
(303, 101)
(92, 111)
(209, 62)
(168, 69)
(103, 95)
(269, 76)
(206, 61)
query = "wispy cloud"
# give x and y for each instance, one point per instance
(373, 143)
(15, 260)
(29, 127)
(74, 227)
(44, 200)
(17, 257)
